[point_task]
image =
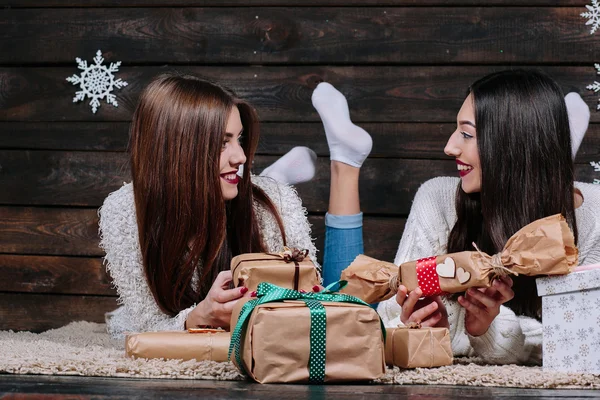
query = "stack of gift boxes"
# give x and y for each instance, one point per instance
(290, 334)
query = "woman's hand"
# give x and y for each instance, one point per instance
(429, 312)
(483, 304)
(215, 310)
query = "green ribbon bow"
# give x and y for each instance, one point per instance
(269, 293)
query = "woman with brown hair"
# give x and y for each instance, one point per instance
(169, 236)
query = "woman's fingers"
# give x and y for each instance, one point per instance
(507, 280)
(223, 279)
(504, 289)
(432, 320)
(224, 296)
(484, 299)
(401, 295)
(409, 304)
(470, 307)
(424, 312)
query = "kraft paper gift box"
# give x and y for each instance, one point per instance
(571, 320)
(415, 347)
(198, 344)
(306, 342)
(292, 269)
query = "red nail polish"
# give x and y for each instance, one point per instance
(253, 294)
(302, 291)
(316, 288)
(243, 290)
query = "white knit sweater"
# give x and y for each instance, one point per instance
(510, 338)
(119, 239)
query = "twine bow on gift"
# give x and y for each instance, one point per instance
(413, 325)
(269, 293)
(296, 256)
(495, 263)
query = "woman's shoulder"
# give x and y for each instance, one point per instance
(279, 193)
(121, 200)
(441, 186)
(437, 196)
(590, 192)
(117, 215)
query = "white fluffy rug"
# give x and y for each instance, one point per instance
(84, 348)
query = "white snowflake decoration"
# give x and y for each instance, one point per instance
(97, 82)
(596, 166)
(593, 16)
(596, 85)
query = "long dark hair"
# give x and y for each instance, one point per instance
(527, 170)
(175, 144)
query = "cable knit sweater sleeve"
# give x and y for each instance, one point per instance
(119, 239)
(510, 338)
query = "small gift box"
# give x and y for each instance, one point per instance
(571, 320)
(198, 344)
(544, 247)
(292, 269)
(285, 336)
(416, 347)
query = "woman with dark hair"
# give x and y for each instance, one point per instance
(169, 236)
(512, 147)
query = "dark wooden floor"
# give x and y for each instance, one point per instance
(30, 386)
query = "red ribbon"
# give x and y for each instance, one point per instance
(427, 277)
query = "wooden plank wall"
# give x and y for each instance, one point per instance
(404, 66)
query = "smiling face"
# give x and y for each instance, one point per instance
(232, 155)
(462, 145)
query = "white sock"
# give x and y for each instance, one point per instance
(347, 142)
(579, 119)
(295, 166)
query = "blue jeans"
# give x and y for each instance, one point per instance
(343, 242)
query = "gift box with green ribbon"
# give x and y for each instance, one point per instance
(285, 336)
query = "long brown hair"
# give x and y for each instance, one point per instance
(527, 170)
(183, 221)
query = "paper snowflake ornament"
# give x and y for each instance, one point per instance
(596, 166)
(593, 16)
(596, 85)
(96, 82)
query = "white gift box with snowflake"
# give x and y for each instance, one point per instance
(571, 319)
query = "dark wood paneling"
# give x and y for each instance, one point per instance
(40, 312)
(406, 35)
(61, 178)
(64, 232)
(257, 3)
(21, 387)
(55, 231)
(48, 274)
(391, 140)
(86, 178)
(375, 94)
(100, 136)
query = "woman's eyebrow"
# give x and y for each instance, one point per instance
(465, 122)
(230, 135)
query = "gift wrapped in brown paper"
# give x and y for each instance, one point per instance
(544, 247)
(416, 347)
(284, 342)
(198, 344)
(292, 269)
